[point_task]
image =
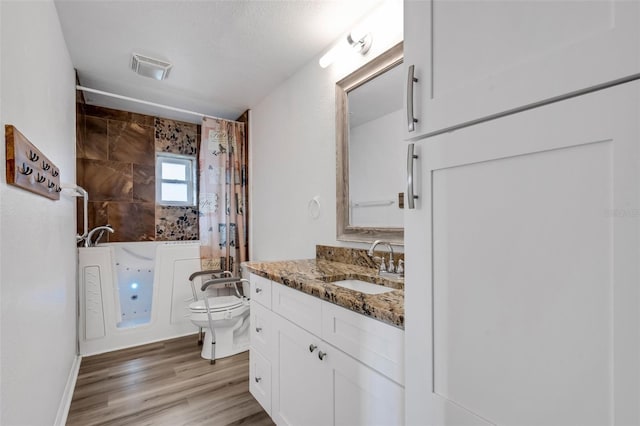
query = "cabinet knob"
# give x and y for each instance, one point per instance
(322, 355)
(312, 347)
(258, 289)
(258, 329)
(258, 379)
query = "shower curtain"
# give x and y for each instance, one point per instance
(223, 195)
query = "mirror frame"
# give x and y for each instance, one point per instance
(345, 231)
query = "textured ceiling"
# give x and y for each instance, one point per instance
(226, 55)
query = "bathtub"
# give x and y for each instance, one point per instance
(134, 293)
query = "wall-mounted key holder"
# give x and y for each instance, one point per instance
(28, 168)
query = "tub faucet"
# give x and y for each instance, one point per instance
(88, 241)
(391, 267)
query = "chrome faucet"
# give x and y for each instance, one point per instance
(391, 267)
(88, 240)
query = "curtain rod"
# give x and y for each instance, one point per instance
(140, 101)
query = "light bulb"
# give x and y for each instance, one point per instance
(345, 46)
(334, 53)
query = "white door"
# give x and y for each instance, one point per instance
(474, 59)
(302, 382)
(361, 395)
(522, 269)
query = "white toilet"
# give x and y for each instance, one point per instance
(230, 319)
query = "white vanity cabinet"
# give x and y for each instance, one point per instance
(475, 59)
(329, 365)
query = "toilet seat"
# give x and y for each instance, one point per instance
(217, 304)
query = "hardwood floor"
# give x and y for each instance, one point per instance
(165, 383)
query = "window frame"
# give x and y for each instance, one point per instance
(190, 173)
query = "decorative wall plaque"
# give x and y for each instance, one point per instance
(28, 168)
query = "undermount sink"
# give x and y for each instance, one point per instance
(363, 286)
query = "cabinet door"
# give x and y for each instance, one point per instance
(474, 59)
(522, 280)
(302, 382)
(362, 396)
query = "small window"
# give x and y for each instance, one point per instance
(175, 180)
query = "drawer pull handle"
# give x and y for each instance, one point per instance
(312, 347)
(258, 379)
(322, 355)
(411, 79)
(411, 197)
(258, 289)
(258, 329)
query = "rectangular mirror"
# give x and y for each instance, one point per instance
(370, 176)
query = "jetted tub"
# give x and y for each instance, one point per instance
(134, 293)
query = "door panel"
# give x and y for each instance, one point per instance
(362, 396)
(474, 59)
(522, 297)
(522, 278)
(302, 391)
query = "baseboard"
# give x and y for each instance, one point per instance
(65, 402)
(139, 342)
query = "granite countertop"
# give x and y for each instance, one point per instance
(314, 277)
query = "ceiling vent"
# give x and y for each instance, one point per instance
(150, 67)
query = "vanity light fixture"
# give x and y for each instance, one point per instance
(150, 67)
(355, 42)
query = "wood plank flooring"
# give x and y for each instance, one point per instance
(165, 383)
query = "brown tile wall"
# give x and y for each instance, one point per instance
(116, 165)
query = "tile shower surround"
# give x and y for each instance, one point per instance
(116, 165)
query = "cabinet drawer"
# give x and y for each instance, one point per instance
(262, 329)
(260, 379)
(260, 290)
(378, 345)
(298, 307)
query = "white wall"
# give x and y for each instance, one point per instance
(37, 248)
(293, 154)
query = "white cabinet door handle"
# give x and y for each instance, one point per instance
(411, 120)
(410, 195)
